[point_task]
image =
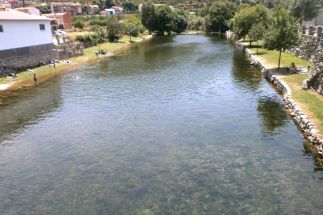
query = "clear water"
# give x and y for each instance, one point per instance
(180, 125)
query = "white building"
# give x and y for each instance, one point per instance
(24, 35)
(110, 11)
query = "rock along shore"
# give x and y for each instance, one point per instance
(309, 130)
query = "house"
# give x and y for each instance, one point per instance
(60, 20)
(66, 7)
(29, 10)
(118, 10)
(26, 39)
(109, 11)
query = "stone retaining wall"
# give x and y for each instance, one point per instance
(27, 56)
(308, 129)
(311, 49)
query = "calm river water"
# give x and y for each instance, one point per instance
(180, 125)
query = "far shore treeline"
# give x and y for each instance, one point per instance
(275, 22)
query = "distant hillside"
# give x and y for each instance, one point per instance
(134, 1)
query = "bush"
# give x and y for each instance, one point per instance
(87, 40)
(115, 29)
(79, 24)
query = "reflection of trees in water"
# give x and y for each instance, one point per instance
(244, 73)
(28, 105)
(272, 113)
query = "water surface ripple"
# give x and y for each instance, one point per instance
(178, 125)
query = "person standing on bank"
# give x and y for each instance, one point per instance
(35, 79)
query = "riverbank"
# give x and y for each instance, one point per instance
(305, 106)
(44, 73)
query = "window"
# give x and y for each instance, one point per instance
(42, 27)
(1, 28)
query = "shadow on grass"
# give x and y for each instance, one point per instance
(259, 53)
(282, 71)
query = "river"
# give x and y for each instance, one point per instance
(175, 125)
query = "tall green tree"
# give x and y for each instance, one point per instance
(100, 35)
(165, 20)
(149, 18)
(180, 23)
(257, 32)
(283, 33)
(109, 3)
(133, 26)
(248, 16)
(218, 16)
(129, 6)
(115, 29)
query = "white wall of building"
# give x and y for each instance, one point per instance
(18, 34)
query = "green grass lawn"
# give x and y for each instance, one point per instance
(311, 102)
(271, 56)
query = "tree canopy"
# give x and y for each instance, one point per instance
(283, 33)
(148, 16)
(218, 16)
(163, 19)
(248, 16)
(115, 29)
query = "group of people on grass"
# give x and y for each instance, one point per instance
(295, 70)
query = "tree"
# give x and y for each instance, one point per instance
(79, 24)
(149, 18)
(132, 30)
(44, 8)
(196, 22)
(306, 9)
(247, 17)
(100, 35)
(283, 33)
(109, 3)
(134, 26)
(100, 3)
(256, 32)
(115, 29)
(165, 20)
(180, 23)
(218, 16)
(129, 6)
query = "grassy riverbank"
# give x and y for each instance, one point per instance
(310, 101)
(270, 57)
(46, 72)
